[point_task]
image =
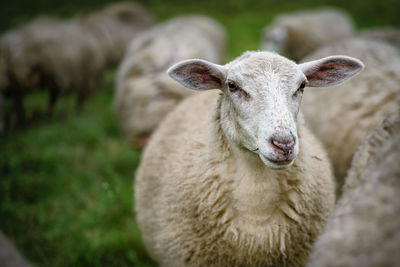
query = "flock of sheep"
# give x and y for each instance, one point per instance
(64, 56)
(247, 175)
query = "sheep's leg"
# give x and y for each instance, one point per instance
(19, 109)
(80, 101)
(52, 101)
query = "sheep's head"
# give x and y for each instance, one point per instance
(262, 95)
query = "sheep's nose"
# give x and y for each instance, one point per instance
(284, 145)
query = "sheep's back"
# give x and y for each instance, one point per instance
(387, 35)
(114, 26)
(53, 53)
(307, 30)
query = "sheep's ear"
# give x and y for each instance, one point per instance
(198, 74)
(330, 71)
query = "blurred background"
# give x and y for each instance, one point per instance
(66, 196)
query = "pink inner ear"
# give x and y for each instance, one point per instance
(199, 75)
(332, 72)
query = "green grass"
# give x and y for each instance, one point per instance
(66, 196)
(66, 189)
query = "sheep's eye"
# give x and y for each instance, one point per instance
(237, 90)
(300, 90)
(232, 86)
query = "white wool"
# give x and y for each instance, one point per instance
(298, 34)
(364, 230)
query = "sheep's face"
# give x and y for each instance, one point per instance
(262, 98)
(262, 95)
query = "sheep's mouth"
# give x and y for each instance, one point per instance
(276, 163)
(281, 162)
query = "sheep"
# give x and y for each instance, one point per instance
(364, 230)
(145, 94)
(9, 255)
(388, 35)
(114, 26)
(218, 184)
(297, 34)
(66, 55)
(65, 59)
(343, 116)
(50, 53)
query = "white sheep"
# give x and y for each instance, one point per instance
(364, 230)
(145, 94)
(58, 55)
(343, 116)
(234, 178)
(115, 25)
(297, 34)
(66, 55)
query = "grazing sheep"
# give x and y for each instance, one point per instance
(66, 55)
(365, 227)
(297, 34)
(387, 35)
(343, 116)
(115, 25)
(222, 181)
(60, 56)
(9, 255)
(145, 94)
(65, 59)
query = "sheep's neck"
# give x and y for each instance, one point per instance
(260, 196)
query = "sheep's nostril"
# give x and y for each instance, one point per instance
(284, 145)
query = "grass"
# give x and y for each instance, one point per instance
(66, 189)
(66, 195)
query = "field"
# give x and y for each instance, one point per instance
(66, 195)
